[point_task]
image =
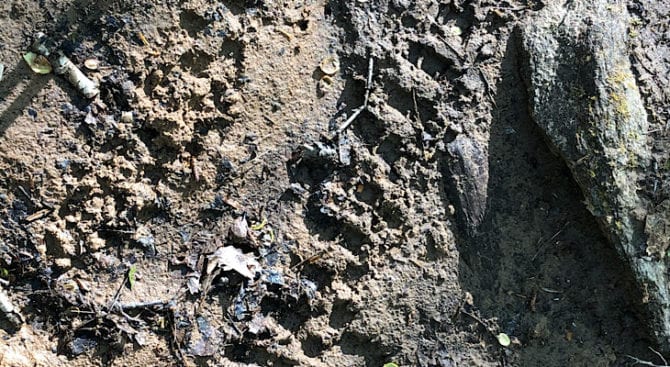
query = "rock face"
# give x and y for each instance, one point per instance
(584, 96)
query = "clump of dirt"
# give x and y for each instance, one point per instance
(437, 220)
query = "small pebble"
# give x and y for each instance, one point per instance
(330, 65)
(63, 164)
(127, 117)
(63, 262)
(32, 112)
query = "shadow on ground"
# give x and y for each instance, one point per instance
(538, 262)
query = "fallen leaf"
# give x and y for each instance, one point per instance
(38, 63)
(231, 258)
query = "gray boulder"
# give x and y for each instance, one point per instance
(584, 96)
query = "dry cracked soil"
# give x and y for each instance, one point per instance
(209, 209)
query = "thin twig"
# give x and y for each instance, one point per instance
(38, 215)
(659, 355)
(117, 230)
(28, 196)
(128, 317)
(232, 323)
(645, 363)
(540, 243)
(160, 304)
(368, 84)
(474, 317)
(654, 130)
(511, 8)
(117, 294)
(351, 119)
(549, 290)
(368, 88)
(416, 105)
(309, 259)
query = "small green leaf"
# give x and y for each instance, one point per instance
(37, 63)
(131, 276)
(503, 339)
(390, 364)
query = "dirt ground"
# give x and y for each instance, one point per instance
(365, 247)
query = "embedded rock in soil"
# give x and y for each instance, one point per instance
(585, 98)
(470, 169)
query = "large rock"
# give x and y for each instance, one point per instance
(585, 98)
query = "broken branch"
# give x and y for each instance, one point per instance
(62, 65)
(368, 88)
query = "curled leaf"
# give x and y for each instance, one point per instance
(38, 63)
(231, 258)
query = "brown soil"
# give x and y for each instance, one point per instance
(437, 220)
